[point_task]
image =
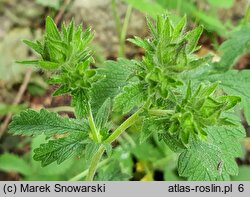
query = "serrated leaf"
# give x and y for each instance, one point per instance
(236, 83)
(115, 77)
(63, 89)
(33, 123)
(213, 159)
(79, 102)
(51, 170)
(149, 126)
(102, 115)
(61, 149)
(111, 172)
(232, 48)
(132, 96)
(172, 141)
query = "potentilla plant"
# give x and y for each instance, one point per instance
(196, 119)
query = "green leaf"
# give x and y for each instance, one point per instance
(141, 43)
(13, 163)
(32, 62)
(172, 141)
(48, 65)
(63, 89)
(52, 170)
(91, 149)
(61, 149)
(33, 123)
(79, 102)
(102, 115)
(51, 29)
(193, 38)
(34, 46)
(115, 76)
(150, 126)
(132, 95)
(232, 48)
(112, 172)
(147, 152)
(213, 159)
(236, 83)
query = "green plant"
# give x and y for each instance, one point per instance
(167, 98)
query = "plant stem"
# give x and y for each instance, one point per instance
(117, 19)
(85, 172)
(126, 124)
(121, 30)
(121, 51)
(92, 126)
(159, 112)
(247, 15)
(94, 163)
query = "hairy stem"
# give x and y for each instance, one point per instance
(94, 131)
(126, 124)
(124, 32)
(85, 172)
(93, 128)
(159, 112)
(121, 29)
(94, 163)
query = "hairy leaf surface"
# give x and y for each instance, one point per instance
(115, 77)
(213, 159)
(131, 96)
(236, 83)
(61, 149)
(33, 123)
(234, 47)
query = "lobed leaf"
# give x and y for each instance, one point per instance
(236, 83)
(61, 149)
(232, 48)
(103, 113)
(115, 77)
(213, 159)
(132, 95)
(33, 123)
